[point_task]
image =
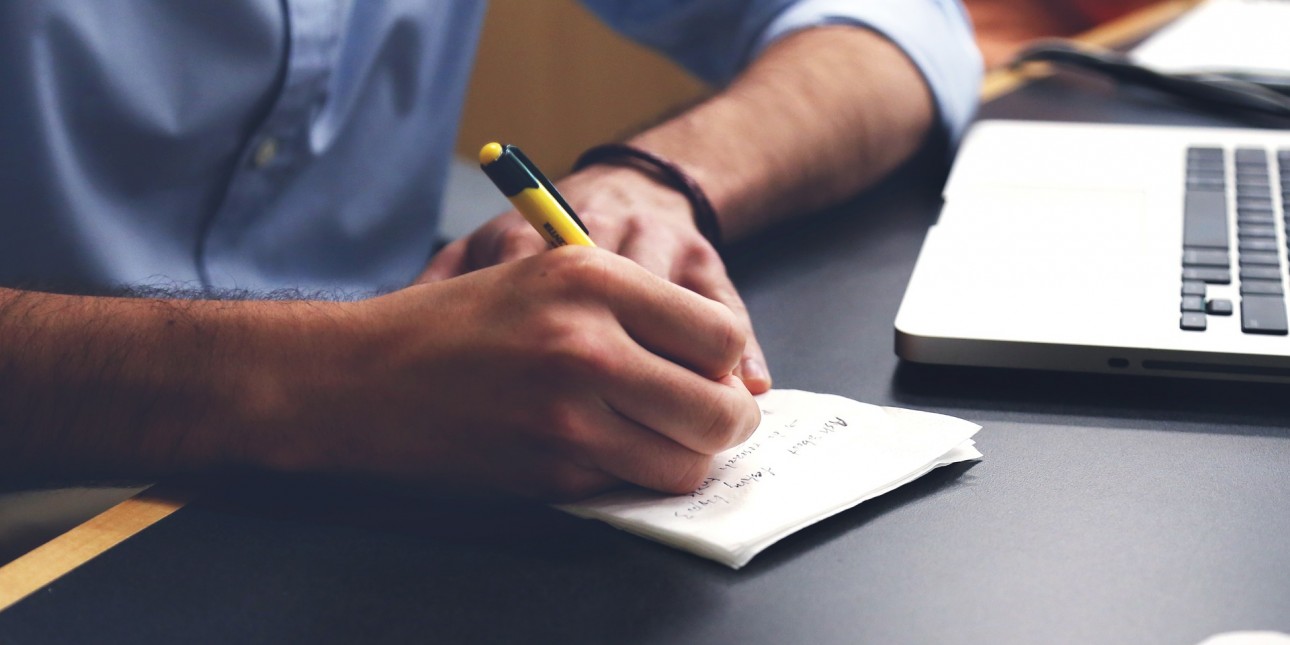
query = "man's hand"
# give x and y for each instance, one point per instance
(554, 376)
(631, 214)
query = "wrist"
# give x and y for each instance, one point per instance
(289, 384)
(612, 188)
(664, 173)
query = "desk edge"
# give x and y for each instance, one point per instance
(50, 561)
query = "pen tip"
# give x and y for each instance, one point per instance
(489, 153)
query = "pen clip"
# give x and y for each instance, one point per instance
(546, 183)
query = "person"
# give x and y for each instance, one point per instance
(261, 177)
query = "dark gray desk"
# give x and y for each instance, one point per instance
(1107, 510)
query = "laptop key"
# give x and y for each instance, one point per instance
(1250, 155)
(1263, 315)
(1217, 184)
(1193, 303)
(1211, 275)
(1260, 273)
(1193, 321)
(1205, 219)
(1205, 258)
(1246, 218)
(1197, 156)
(1213, 168)
(1193, 288)
(1256, 208)
(1258, 244)
(1253, 230)
(1261, 287)
(1255, 202)
(1219, 307)
(1256, 258)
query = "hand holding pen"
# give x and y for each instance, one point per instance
(556, 375)
(628, 213)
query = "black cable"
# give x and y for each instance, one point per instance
(1242, 92)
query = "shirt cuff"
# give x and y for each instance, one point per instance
(935, 34)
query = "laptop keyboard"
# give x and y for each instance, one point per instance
(1255, 184)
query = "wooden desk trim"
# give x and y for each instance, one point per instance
(44, 565)
(50, 561)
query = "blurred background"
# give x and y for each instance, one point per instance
(554, 81)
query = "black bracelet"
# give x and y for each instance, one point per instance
(670, 174)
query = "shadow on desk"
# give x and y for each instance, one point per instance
(504, 528)
(289, 559)
(1132, 401)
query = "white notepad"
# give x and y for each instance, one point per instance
(814, 455)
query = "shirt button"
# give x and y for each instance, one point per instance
(265, 152)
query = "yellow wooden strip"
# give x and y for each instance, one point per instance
(47, 563)
(1137, 24)
(1002, 81)
(1117, 32)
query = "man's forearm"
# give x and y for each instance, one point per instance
(113, 387)
(820, 115)
(553, 376)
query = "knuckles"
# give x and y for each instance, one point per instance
(733, 337)
(580, 271)
(723, 426)
(576, 348)
(704, 257)
(516, 242)
(566, 432)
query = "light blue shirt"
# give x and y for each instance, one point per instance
(263, 144)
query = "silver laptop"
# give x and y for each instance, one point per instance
(1108, 248)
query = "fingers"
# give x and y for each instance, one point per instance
(671, 321)
(633, 453)
(506, 238)
(703, 415)
(705, 274)
(655, 252)
(614, 449)
(450, 261)
(658, 425)
(657, 417)
(702, 271)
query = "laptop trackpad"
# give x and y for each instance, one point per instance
(1035, 258)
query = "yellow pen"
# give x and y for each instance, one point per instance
(533, 195)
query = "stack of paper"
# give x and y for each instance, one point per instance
(814, 455)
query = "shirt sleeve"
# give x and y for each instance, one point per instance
(715, 39)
